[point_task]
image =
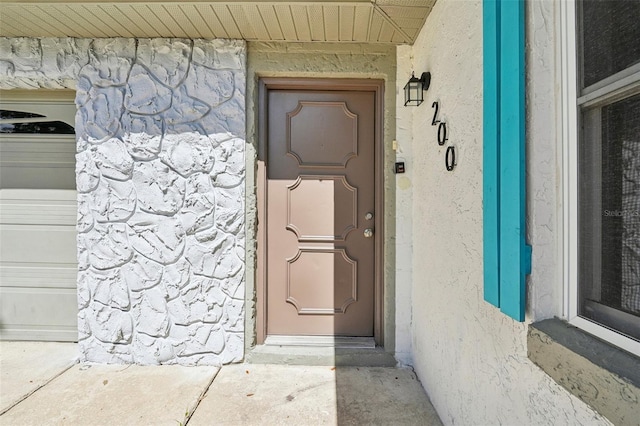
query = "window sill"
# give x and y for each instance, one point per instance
(603, 376)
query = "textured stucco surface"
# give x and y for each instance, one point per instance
(544, 156)
(160, 177)
(50, 63)
(404, 213)
(324, 60)
(606, 378)
(471, 358)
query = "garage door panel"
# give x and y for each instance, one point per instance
(39, 275)
(38, 207)
(37, 161)
(39, 214)
(53, 151)
(45, 243)
(38, 314)
(29, 177)
(41, 333)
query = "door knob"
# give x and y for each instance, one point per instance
(368, 233)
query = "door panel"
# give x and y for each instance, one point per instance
(320, 184)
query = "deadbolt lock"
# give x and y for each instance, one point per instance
(368, 216)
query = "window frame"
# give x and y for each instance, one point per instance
(620, 83)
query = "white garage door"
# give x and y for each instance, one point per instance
(38, 263)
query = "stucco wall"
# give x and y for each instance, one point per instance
(160, 178)
(404, 213)
(472, 359)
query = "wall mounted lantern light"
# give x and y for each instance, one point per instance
(415, 86)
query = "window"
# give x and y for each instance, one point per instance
(604, 171)
(27, 122)
(37, 140)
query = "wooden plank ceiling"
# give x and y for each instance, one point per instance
(364, 21)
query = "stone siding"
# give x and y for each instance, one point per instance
(160, 177)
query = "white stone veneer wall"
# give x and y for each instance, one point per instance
(471, 358)
(160, 178)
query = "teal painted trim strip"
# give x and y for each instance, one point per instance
(512, 195)
(490, 176)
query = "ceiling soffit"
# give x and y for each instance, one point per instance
(377, 21)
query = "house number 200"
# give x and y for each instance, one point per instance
(450, 156)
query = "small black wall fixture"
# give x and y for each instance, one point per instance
(415, 86)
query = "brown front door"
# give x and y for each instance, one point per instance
(320, 187)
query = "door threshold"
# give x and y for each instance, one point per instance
(337, 342)
(320, 355)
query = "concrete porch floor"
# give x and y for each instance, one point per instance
(42, 384)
